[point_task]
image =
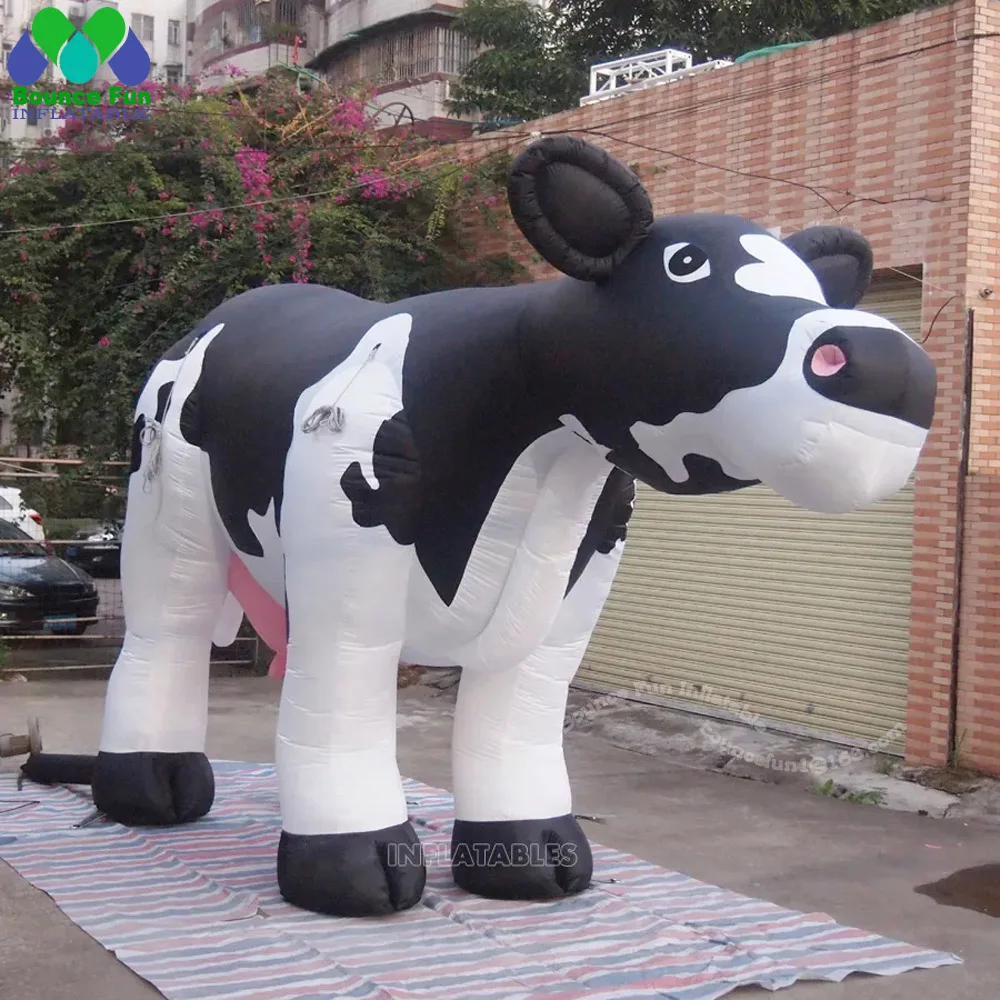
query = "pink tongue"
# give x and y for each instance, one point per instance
(828, 360)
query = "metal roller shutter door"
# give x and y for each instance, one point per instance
(800, 618)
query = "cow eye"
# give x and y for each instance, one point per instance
(685, 262)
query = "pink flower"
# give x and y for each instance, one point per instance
(104, 341)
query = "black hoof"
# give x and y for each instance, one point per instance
(352, 874)
(521, 859)
(153, 789)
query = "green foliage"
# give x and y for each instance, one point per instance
(73, 495)
(523, 73)
(828, 789)
(540, 57)
(225, 192)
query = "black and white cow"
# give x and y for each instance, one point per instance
(447, 480)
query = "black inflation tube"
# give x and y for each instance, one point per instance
(59, 768)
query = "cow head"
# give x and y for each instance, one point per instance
(706, 354)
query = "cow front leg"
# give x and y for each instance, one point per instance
(515, 836)
(351, 494)
(347, 847)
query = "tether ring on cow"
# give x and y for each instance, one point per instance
(329, 416)
(332, 416)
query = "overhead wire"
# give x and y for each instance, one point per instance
(510, 138)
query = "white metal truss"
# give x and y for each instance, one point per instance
(633, 73)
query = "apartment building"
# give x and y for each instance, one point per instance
(253, 35)
(407, 50)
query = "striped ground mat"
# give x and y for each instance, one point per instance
(195, 911)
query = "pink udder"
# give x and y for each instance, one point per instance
(828, 360)
(266, 615)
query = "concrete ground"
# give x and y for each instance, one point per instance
(775, 841)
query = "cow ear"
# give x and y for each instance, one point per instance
(579, 207)
(840, 258)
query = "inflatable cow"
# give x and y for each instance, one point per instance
(447, 480)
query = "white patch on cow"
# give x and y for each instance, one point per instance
(820, 454)
(781, 272)
(164, 372)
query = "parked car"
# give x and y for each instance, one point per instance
(14, 510)
(97, 548)
(40, 592)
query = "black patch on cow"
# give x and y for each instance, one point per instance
(395, 503)
(136, 452)
(278, 340)
(464, 397)
(705, 475)
(162, 399)
(608, 523)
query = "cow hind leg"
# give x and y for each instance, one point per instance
(151, 767)
(515, 836)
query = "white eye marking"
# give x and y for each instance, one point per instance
(781, 272)
(684, 262)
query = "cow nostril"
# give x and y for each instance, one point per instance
(827, 360)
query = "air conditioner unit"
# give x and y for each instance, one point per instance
(75, 10)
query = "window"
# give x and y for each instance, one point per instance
(404, 55)
(4, 53)
(173, 32)
(175, 74)
(32, 111)
(142, 25)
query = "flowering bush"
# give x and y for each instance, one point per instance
(118, 236)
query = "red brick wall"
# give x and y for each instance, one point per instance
(880, 124)
(978, 695)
